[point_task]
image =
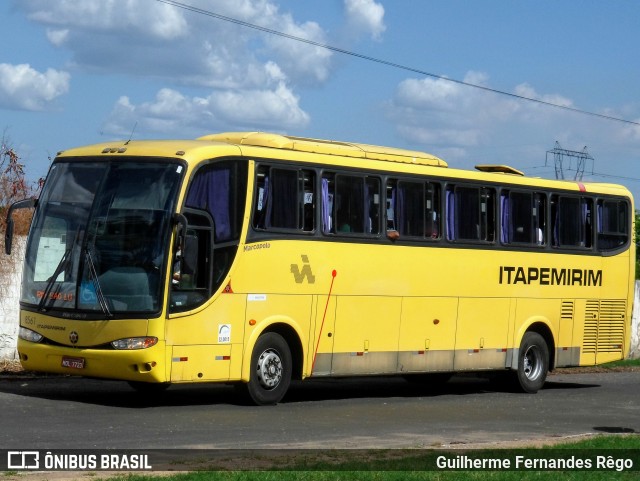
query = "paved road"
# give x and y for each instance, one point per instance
(59, 412)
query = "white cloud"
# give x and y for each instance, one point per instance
(526, 90)
(57, 36)
(155, 19)
(151, 38)
(445, 113)
(436, 111)
(172, 112)
(24, 88)
(466, 125)
(366, 16)
(304, 62)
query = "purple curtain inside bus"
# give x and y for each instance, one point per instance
(210, 191)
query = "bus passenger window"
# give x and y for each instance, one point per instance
(391, 205)
(471, 214)
(284, 199)
(612, 224)
(523, 218)
(328, 192)
(308, 200)
(350, 204)
(572, 218)
(539, 214)
(432, 211)
(372, 205)
(410, 209)
(413, 208)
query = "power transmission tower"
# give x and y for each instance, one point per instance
(559, 154)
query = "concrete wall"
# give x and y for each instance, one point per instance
(634, 353)
(10, 279)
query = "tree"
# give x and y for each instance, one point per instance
(14, 186)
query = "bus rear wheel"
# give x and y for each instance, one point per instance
(533, 363)
(271, 367)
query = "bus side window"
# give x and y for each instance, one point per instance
(308, 181)
(372, 205)
(488, 215)
(284, 199)
(350, 204)
(284, 193)
(262, 193)
(539, 214)
(391, 193)
(612, 224)
(413, 208)
(572, 221)
(471, 214)
(523, 218)
(432, 211)
(192, 262)
(410, 208)
(328, 194)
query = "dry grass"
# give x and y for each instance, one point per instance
(10, 367)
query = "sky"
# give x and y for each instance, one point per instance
(76, 72)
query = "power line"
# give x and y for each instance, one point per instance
(623, 177)
(388, 63)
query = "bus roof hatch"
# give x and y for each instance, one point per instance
(502, 169)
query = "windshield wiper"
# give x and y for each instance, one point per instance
(62, 266)
(96, 283)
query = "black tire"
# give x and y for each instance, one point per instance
(271, 367)
(533, 363)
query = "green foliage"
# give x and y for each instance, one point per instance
(410, 466)
(625, 363)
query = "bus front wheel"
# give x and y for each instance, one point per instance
(533, 362)
(271, 367)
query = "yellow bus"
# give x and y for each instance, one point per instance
(256, 258)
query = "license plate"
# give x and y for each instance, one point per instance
(73, 362)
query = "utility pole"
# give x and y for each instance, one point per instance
(559, 154)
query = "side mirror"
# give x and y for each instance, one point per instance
(181, 222)
(8, 236)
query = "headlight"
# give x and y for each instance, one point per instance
(29, 335)
(135, 343)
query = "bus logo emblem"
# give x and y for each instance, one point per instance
(73, 337)
(300, 274)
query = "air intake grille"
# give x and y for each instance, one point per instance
(604, 326)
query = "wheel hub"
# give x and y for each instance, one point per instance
(269, 369)
(532, 363)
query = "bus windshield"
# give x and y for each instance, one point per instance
(98, 242)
